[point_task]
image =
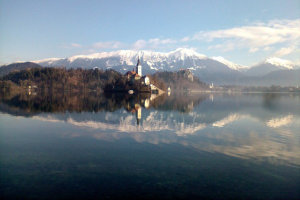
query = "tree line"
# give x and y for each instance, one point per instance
(60, 79)
(78, 80)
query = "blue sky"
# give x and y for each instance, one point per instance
(244, 32)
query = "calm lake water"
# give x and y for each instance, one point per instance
(184, 146)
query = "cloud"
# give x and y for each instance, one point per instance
(152, 43)
(140, 44)
(226, 46)
(253, 50)
(285, 51)
(260, 36)
(157, 41)
(71, 46)
(108, 45)
(256, 36)
(185, 39)
(75, 45)
(267, 48)
(278, 38)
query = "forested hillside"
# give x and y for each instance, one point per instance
(60, 78)
(181, 80)
(6, 69)
(76, 80)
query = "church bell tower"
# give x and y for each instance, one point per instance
(139, 67)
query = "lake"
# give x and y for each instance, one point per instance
(182, 146)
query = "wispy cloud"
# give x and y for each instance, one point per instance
(254, 37)
(277, 38)
(71, 46)
(139, 44)
(75, 45)
(283, 35)
(285, 51)
(108, 45)
(152, 43)
(253, 50)
(185, 39)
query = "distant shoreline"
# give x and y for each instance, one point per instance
(243, 92)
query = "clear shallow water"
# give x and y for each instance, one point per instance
(183, 146)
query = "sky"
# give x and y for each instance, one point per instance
(244, 32)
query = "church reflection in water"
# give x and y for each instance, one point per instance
(228, 124)
(135, 106)
(28, 105)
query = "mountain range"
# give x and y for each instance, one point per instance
(272, 71)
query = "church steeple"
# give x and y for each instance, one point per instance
(139, 67)
(138, 62)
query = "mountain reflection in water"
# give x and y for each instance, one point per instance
(256, 126)
(118, 146)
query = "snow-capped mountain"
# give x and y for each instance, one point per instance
(124, 60)
(270, 65)
(214, 69)
(208, 69)
(281, 63)
(152, 61)
(230, 64)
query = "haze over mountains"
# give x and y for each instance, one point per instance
(272, 71)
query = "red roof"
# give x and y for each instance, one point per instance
(132, 73)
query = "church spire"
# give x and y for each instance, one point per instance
(139, 67)
(138, 62)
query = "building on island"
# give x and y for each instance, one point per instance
(132, 75)
(139, 67)
(136, 75)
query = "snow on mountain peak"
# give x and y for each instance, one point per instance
(280, 62)
(121, 53)
(48, 60)
(129, 56)
(230, 64)
(182, 53)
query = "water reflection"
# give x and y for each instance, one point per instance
(281, 121)
(250, 126)
(93, 102)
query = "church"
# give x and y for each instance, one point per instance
(136, 74)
